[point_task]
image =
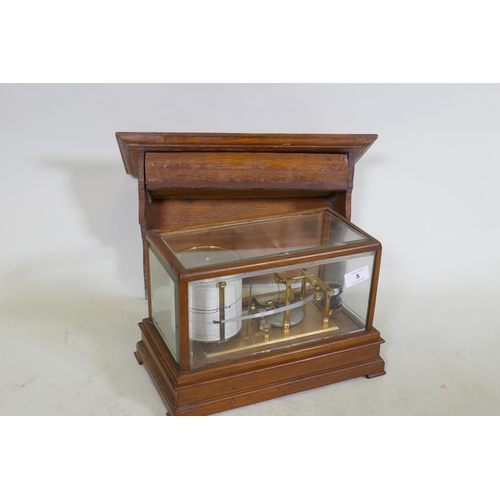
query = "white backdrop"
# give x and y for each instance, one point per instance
(71, 263)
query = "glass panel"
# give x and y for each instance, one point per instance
(356, 275)
(163, 304)
(249, 313)
(279, 236)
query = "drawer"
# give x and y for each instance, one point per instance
(232, 170)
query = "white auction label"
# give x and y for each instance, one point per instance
(357, 276)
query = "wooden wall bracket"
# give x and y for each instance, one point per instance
(186, 179)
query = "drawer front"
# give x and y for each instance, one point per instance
(228, 170)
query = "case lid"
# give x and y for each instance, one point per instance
(279, 236)
(256, 244)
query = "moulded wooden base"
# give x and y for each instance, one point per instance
(226, 386)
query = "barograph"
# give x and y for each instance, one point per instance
(258, 284)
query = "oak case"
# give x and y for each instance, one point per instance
(197, 182)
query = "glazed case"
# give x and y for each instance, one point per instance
(260, 286)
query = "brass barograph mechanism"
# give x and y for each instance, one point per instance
(279, 311)
(322, 289)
